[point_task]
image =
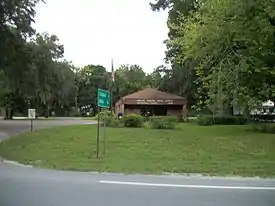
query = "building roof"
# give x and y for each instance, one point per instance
(153, 94)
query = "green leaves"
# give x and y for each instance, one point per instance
(18, 14)
(129, 79)
(232, 41)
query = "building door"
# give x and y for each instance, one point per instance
(147, 110)
(160, 110)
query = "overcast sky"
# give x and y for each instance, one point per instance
(95, 31)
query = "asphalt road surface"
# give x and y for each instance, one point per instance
(13, 127)
(27, 186)
(32, 187)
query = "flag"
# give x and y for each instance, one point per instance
(113, 71)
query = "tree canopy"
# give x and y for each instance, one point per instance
(221, 55)
(231, 47)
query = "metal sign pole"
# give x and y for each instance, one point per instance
(31, 125)
(104, 133)
(103, 101)
(97, 138)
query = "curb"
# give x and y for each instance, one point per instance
(163, 174)
(14, 163)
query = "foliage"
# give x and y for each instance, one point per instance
(232, 42)
(107, 113)
(230, 46)
(222, 120)
(220, 55)
(50, 84)
(16, 18)
(205, 120)
(73, 112)
(89, 79)
(181, 77)
(32, 73)
(113, 121)
(128, 79)
(133, 120)
(165, 122)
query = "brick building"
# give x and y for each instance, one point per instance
(155, 102)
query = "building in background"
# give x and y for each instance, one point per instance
(153, 102)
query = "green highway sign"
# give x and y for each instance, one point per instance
(103, 98)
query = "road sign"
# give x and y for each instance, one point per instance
(31, 113)
(103, 98)
(103, 101)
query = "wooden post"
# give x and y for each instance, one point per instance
(184, 112)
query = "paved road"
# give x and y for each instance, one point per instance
(27, 186)
(31, 187)
(12, 127)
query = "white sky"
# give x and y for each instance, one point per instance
(95, 31)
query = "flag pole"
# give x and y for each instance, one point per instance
(111, 85)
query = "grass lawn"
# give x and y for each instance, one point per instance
(215, 150)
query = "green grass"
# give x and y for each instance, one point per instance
(215, 150)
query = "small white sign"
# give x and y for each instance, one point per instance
(31, 113)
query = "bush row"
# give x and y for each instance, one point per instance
(132, 120)
(264, 127)
(101, 115)
(223, 120)
(166, 122)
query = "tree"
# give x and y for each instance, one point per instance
(155, 79)
(16, 18)
(177, 9)
(129, 79)
(42, 81)
(18, 14)
(181, 77)
(90, 78)
(233, 43)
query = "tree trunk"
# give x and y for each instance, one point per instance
(230, 111)
(8, 113)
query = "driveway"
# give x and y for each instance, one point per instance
(13, 127)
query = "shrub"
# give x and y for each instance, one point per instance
(223, 120)
(226, 120)
(163, 122)
(242, 120)
(133, 120)
(101, 115)
(74, 113)
(181, 119)
(205, 120)
(112, 121)
(264, 127)
(192, 120)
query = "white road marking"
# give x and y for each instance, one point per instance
(188, 186)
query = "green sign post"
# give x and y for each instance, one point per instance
(103, 101)
(103, 98)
